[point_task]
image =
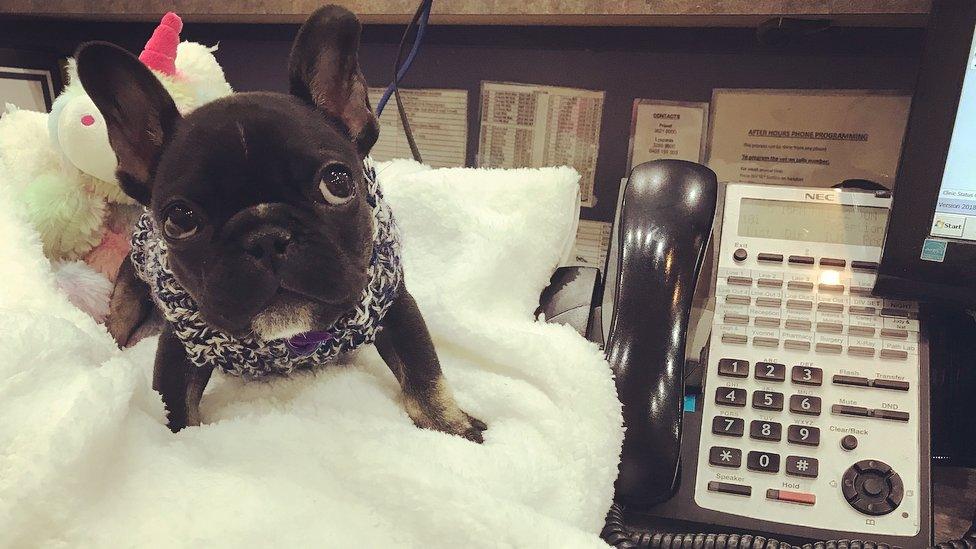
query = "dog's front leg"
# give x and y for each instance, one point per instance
(129, 306)
(178, 381)
(405, 345)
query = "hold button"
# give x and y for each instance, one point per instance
(791, 497)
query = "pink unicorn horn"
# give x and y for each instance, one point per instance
(160, 51)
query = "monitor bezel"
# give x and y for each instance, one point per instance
(902, 272)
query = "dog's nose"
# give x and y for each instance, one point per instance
(267, 242)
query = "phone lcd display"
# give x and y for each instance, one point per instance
(813, 222)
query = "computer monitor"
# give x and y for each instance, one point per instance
(930, 247)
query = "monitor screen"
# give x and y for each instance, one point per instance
(929, 251)
(955, 210)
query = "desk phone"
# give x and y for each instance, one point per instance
(810, 411)
(810, 419)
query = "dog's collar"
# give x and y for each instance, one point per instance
(248, 356)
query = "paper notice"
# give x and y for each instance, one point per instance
(806, 137)
(438, 119)
(592, 243)
(529, 126)
(667, 129)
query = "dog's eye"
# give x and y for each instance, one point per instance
(180, 222)
(336, 185)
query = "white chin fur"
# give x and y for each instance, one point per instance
(281, 322)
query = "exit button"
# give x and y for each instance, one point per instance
(948, 225)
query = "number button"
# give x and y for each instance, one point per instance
(733, 367)
(767, 400)
(727, 396)
(803, 404)
(725, 457)
(807, 375)
(770, 371)
(728, 426)
(765, 430)
(803, 434)
(800, 466)
(765, 462)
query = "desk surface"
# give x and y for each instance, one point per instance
(954, 490)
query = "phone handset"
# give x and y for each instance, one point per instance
(665, 221)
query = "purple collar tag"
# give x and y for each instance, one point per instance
(306, 343)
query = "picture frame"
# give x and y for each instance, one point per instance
(29, 79)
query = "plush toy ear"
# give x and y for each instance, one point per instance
(139, 114)
(324, 70)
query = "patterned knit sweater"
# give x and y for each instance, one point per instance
(250, 357)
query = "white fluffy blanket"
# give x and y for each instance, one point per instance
(330, 458)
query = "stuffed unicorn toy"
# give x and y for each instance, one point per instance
(62, 168)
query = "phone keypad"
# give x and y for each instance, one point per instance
(770, 371)
(803, 434)
(803, 357)
(765, 430)
(730, 396)
(728, 426)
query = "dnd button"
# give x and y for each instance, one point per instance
(727, 396)
(802, 434)
(770, 371)
(733, 367)
(872, 487)
(728, 426)
(728, 488)
(765, 430)
(764, 462)
(890, 414)
(767, 400)
(807, 405)
(721, 456)
(807, 375)
(800, 466)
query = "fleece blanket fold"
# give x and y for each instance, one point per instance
(326, 458)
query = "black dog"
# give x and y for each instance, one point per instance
(264, 226)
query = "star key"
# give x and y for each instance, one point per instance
(721, 456)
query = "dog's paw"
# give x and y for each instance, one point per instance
(473, 429)
(442, 414)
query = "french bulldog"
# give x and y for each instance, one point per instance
(266, 243)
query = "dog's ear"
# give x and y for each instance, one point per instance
(324, 70)
(139, 114)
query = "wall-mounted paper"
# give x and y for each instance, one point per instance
(667, 129)
(438, 120)
(524, 125)
(806, 137)
(592, 243)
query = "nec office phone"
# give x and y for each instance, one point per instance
(811, 419)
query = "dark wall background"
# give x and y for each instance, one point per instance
(657, 63)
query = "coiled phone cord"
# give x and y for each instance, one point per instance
(618, 535)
